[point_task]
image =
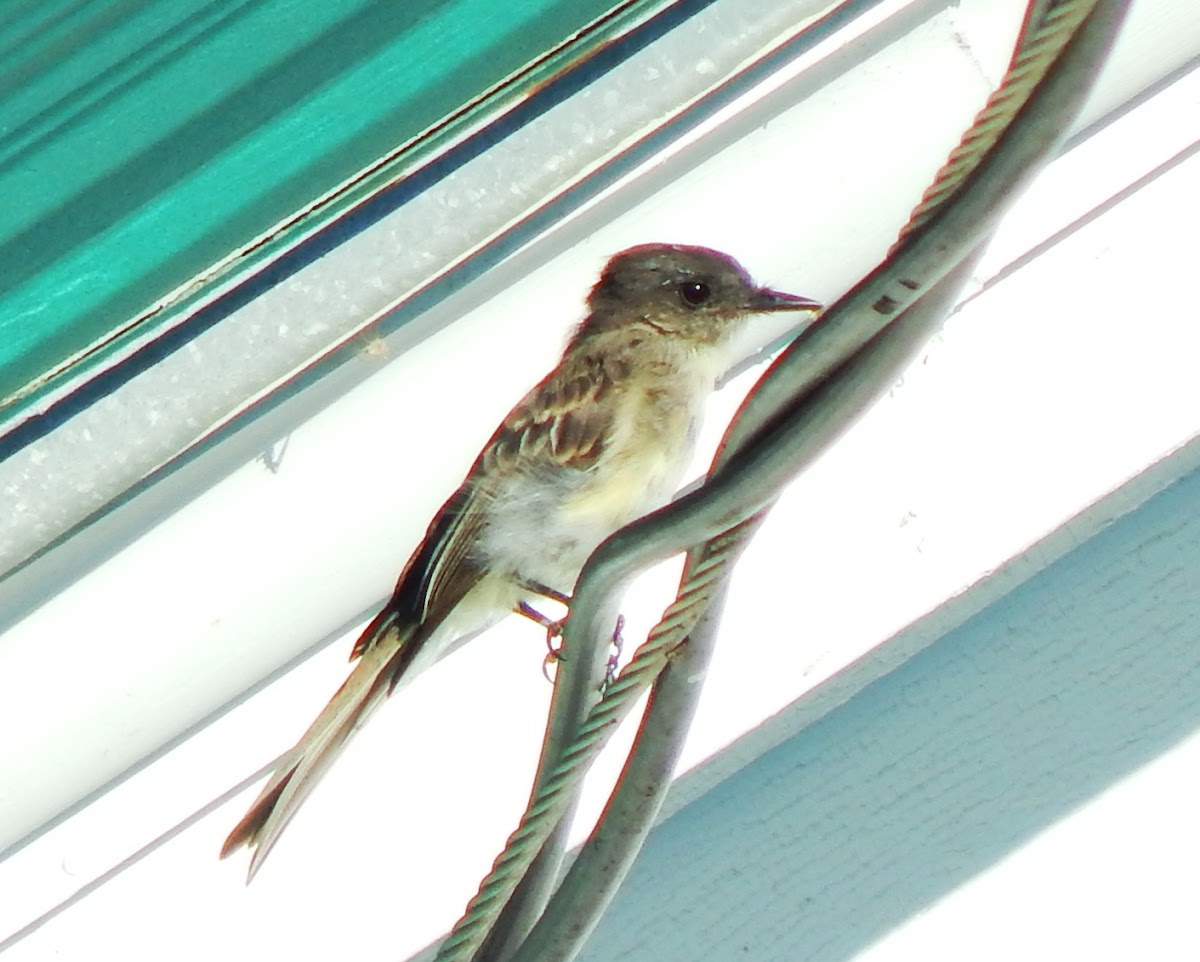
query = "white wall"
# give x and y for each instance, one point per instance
(1069, 374)
(1025, 788)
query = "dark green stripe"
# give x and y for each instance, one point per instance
(143, 142)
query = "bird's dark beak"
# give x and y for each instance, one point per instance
(765, 299)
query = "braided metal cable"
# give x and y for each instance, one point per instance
(697, 585)
(1039, 45)
(696, 588)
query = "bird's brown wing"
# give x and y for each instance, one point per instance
(560, 425)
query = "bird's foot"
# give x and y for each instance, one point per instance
(616, 646)
(554, 652)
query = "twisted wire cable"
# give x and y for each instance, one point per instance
(697, 585)
(1040, 45)
(1042, 39)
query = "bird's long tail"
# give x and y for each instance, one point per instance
(367, 686)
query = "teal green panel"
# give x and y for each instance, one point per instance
(141, 143)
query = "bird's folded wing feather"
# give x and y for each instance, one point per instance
(560, 425)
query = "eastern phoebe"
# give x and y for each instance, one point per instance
(602, 440)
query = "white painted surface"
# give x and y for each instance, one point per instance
(1017, 417)
(1026, 788)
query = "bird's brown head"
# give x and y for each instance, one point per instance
(694, 293)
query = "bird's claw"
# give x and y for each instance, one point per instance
(616, 646)
(553, 632)
(554, 654)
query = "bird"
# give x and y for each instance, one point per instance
(604, 438)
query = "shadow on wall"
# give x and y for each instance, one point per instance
(933, 773)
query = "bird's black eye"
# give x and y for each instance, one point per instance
(694, 293)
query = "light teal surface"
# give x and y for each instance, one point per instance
(1003, 727)
(142, 142)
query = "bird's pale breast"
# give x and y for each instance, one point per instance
(564, 517)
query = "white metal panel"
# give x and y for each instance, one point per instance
(1026, 788)
(907, 514)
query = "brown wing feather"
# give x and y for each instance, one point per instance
(417, 600)
(561, 424)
